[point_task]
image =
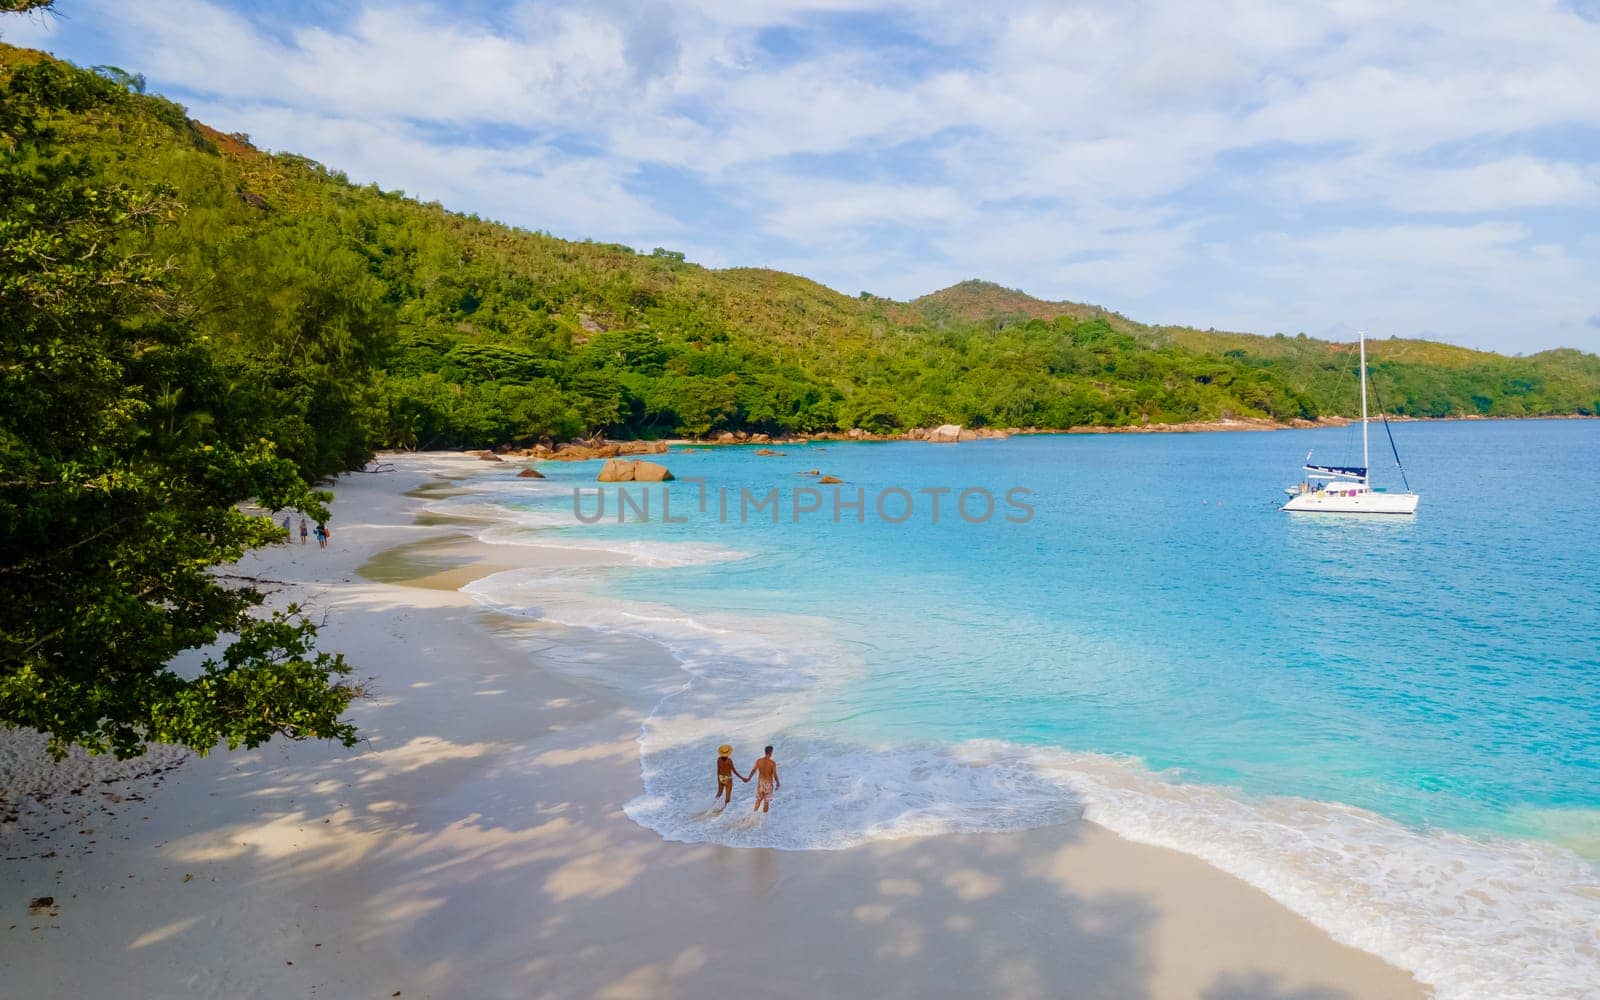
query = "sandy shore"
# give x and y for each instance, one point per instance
(475, 845)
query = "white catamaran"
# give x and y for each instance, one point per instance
(1344, 489)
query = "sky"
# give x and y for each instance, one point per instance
(1411, 168)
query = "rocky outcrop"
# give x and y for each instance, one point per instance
(598, 448)
(951, 433)
(580, 450)
(1203, 426)
(651, 472)
(593, 448)
(830, 481)
(530, 473)
(619, 470)
(982, 433)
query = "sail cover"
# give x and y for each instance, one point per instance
(1339, 470)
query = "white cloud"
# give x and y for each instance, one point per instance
(1486, 282)
(1491, 186)
(34, 30)
(413, 63)
(1172, 160)
(582, 197)
(826, 210)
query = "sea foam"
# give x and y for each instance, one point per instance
(1499, 918)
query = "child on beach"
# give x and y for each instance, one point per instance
(725, 773)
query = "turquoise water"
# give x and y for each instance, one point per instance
(1442, 669)
(1246, 675)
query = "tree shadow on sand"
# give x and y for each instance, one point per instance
(498, 862)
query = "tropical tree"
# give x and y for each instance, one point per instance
(122, 476)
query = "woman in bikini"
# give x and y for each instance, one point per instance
(725, 773)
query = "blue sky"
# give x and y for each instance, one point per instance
(1415, 168)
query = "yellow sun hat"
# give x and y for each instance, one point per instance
(725, 749)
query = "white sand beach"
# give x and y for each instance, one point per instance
(475, 845)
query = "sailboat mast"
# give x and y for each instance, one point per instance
(1366, 464)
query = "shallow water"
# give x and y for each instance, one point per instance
(1392, 724)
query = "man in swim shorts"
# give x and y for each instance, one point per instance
(766, 775)
(725, 773)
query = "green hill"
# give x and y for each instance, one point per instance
(369, 319)
(984, 302)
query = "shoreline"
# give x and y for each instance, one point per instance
(593, 448)
(475, 844)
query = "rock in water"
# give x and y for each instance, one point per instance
(945, 434)
(650, 472)
(621, 470)
(830, 480)
(530, 474)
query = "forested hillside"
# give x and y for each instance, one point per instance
(129, 442)
(374, 319)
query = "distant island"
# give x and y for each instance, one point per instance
(381, 321)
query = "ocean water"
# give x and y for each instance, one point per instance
(1390, 724)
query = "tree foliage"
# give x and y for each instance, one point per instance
(127, 445)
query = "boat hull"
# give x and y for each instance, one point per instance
(1360, 503)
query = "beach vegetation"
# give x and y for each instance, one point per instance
(128, 444)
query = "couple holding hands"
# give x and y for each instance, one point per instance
(765, 771)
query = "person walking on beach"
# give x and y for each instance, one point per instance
(303, 531)
(322, 535)
(287, 534)
(725, 773)
(766, 774)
